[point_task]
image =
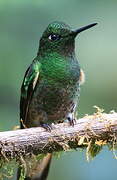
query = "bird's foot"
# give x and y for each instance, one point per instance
(71, 119)
(48, 127)
(72, 122)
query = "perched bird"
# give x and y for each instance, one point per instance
(50, 89)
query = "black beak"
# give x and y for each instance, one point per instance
(83, 29)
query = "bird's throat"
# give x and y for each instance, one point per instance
(59, 69)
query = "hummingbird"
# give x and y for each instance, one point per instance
(51, 85)
(50, 89)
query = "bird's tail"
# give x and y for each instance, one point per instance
(39, 171)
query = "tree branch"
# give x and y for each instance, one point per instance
(99, 128)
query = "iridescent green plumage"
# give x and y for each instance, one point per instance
(50, 89)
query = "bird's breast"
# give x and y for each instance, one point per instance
(56, 92)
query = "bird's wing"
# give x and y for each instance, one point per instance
(29, 83)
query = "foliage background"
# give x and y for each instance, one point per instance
(21, 25)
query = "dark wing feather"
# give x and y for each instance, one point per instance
(27, 89)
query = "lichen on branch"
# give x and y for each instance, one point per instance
(29, 145)
(91, 131)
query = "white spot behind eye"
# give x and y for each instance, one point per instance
(50, 37)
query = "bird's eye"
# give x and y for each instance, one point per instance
(54, 37)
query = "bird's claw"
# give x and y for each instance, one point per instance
(72, 122)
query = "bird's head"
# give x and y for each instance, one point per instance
(59, 37)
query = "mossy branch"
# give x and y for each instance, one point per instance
(98, 129)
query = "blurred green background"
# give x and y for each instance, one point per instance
(21, 25)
